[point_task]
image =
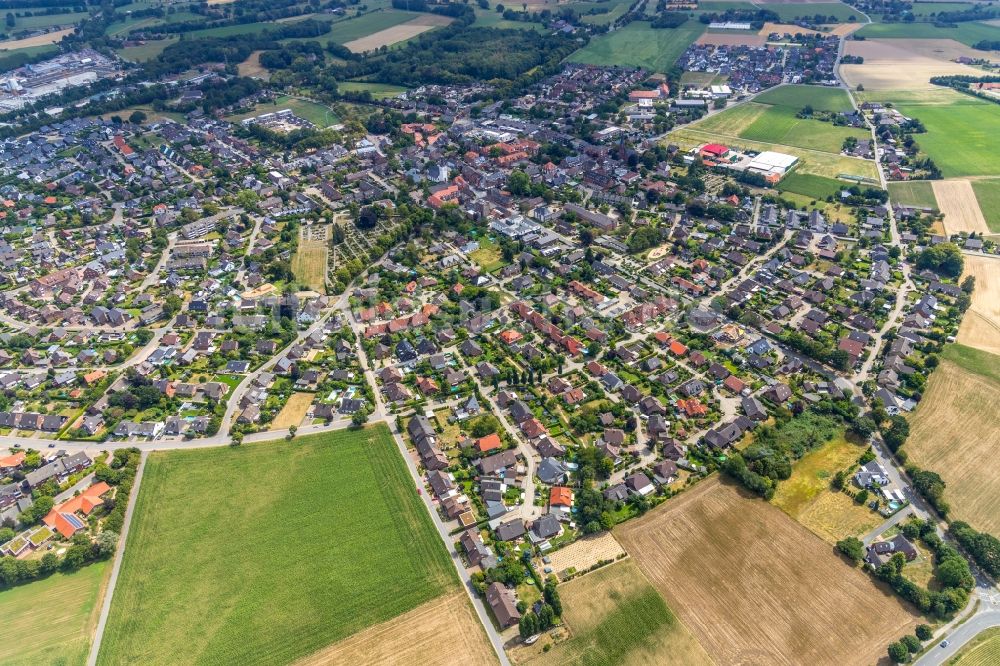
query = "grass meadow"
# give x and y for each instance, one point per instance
(788, 10)
(780, 125)
(988, 196)
(961, 136)
(983, 650)
(967, 33)
(919, 193)
(807, 184)
(265, 553)
(639, 45)
(51, 621)
(820, 98)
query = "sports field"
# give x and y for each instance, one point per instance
(51, 621)
(616, 617)
(266, 553)
(954, 431)
(820, 98)
(806, 495)
(988, 196)
(961, 135)
(638, 45)
(919, 193)
(754, 586)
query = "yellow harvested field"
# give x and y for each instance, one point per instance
(755, 587)
(440, 632)
(958, 202)
(981, 325)
(955, 432)
(397, 33)
(904, 64)
(585, 553)
(37, 40)
(293, 412)
(792, 29)
(312, 257)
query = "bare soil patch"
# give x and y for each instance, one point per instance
(955, 432)
(755, 587)
(397, 33)
(440, 632)
(585, 553)
(981, 325)
(37, 40)
(904, 64)
(957, 200)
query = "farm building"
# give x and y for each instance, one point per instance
(770, 162)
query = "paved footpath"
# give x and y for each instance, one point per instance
(116, 567)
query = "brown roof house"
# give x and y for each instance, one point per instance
(501, 601)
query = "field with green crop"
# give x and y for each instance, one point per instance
(147, 51)
(51, 621)
(790, 10)
(44, 20)
(367, 24)
(638, 45)
(488, 18)
(815, 187)
(378, 90)
(264, 553)
(919, 193)
(983, 650)
(967, 33)
(820, 98)
(961, 136)
(988, 196)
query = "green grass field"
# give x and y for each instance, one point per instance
(961, 136)
(147, 51)
(820, 98)
(367, 24)
(264, 553)
(983, 650)
(488, 18)
(378, 90)
(974, 360)
(788, 11)
(988, 196)
(780, 125)
(815, 187)
(617, 8)
(967, 33)
(919, 193)
(18, 57)
(46, 20)
(638, 45)
(51, 621)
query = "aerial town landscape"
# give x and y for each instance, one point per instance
(432, 332)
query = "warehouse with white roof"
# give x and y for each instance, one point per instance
(771, 162)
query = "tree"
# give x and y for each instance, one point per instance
(954, 572)
(107, 541)
(911, 642)
(11, 21)
(551, 595)
(292, 430)
(546, 617)
(237, 439)
(528, 625)
(49, 563)
(853, 548)
(862, 496)
(898, 653)
(924, 632)
(137, 117)
(360, 417)
(6, 534)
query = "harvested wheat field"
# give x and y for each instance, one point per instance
(981, 325)
(901, 64)
(397, 33)
(755, 587)
(731, 39)
(37, 40)
(615, 617)
(440, 632)
(585, 553)
(955, 432)
(957, 200)
(791, 29)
